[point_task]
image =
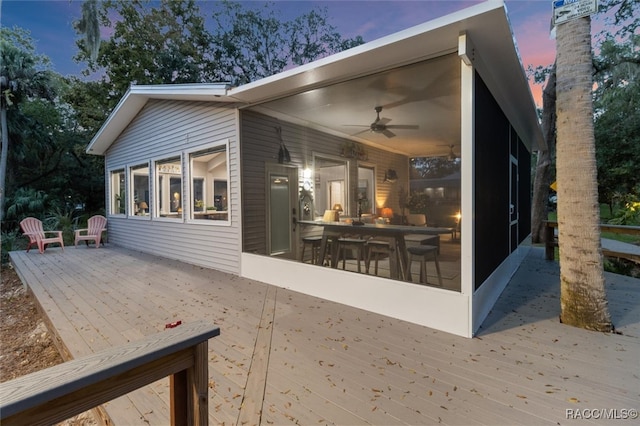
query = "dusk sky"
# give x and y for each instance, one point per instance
(50, 23)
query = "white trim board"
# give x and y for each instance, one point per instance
(428, 306)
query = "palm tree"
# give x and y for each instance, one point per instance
(19, 79)
(582, 295)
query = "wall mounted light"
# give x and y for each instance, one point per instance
(283, 152)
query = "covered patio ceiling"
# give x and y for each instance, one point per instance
(420, 107)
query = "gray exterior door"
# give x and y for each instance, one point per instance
(282, 211)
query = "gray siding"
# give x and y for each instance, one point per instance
(260, 146)
(169, 128)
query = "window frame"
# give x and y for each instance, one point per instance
(190, 155)
(121, 191)
(160, 190)
(131, 205)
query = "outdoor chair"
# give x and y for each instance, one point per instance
(32, 228)
(95, 226)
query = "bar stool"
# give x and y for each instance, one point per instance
(356, 244)
(424, 253)
(314, 242)
(376, 248)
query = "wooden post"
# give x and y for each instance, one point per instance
(178, 397)
(198, 385)
(189, 391)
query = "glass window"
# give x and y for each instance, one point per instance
(220, 194)
(331, 183)
(366, 190)
(198, 195)
(435, 189)
(139, 178)
(169, 198)
(209, 189)
(117, 191)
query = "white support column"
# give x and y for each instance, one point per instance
(466, 51)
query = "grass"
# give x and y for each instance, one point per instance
(605, 216)
(618, 266)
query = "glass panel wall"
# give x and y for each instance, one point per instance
(435, 190)
(331, 180)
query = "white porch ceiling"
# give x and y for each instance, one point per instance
(424, 95)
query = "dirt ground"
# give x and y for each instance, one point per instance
(26, 345)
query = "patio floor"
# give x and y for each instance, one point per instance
(304, 360)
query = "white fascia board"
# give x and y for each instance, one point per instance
(136, 98)
(189, 92)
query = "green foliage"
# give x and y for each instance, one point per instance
(26, 202)
(625, 18)
(167, 42)
(22, 77)
(418, 202)
(11, 240)
(621, 267)
(250, 44)
(617, 124)
(433, 167)
(60, 220)
(630, 213)
(151, 44)
(89, 26)
(24, 73)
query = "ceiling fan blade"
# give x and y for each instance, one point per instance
(383, 121)
(388, 133)
(403, 126)
(367, 130)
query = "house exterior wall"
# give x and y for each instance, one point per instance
(165, 128)
(260, 145)
(498, 249)
(496, 142)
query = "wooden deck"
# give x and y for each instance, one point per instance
(299, 359)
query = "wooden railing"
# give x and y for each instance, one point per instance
(57, 393)
(609, 247)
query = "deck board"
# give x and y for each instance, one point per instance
(327, 363)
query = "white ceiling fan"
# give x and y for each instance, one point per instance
(380, 125)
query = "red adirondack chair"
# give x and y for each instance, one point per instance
(32, 228)
(95, 226)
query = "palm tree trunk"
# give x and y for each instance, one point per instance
(542, 180)
(583, 299)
